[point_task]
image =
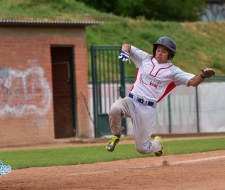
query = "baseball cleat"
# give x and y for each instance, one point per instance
(160, 152)
(112, 143)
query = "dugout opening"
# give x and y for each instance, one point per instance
(63, 85)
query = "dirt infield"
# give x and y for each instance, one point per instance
(198, 171)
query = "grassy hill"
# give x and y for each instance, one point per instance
(199, 44)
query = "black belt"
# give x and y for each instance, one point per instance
(149, 103)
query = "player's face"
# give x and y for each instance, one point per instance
(161, 54)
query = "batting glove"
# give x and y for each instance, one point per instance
(124, 55)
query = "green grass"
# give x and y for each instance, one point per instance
(199, 44)
(85, 155)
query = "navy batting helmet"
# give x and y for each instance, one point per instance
(167, 42)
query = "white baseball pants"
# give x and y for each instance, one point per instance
(142, 117)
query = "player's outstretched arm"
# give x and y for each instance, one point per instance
(206, 73)
(195, 81)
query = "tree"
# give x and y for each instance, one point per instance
(164, 10)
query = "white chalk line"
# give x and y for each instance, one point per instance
(197, 160)
(151, 166)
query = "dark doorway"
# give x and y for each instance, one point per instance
(63, 91)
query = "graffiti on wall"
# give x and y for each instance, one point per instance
(23, 92)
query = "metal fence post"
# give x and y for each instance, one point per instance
(197, 109)
(169, 115)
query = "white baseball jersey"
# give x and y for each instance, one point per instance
(155, 81)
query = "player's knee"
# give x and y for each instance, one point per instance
(141, 150)
(114, 110)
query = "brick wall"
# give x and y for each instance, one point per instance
(26, 95)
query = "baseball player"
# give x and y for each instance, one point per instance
(155, 78)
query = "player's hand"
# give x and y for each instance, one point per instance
(208, 72)
(124, 55)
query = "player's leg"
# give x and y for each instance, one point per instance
(143, 120)
(120, 109)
